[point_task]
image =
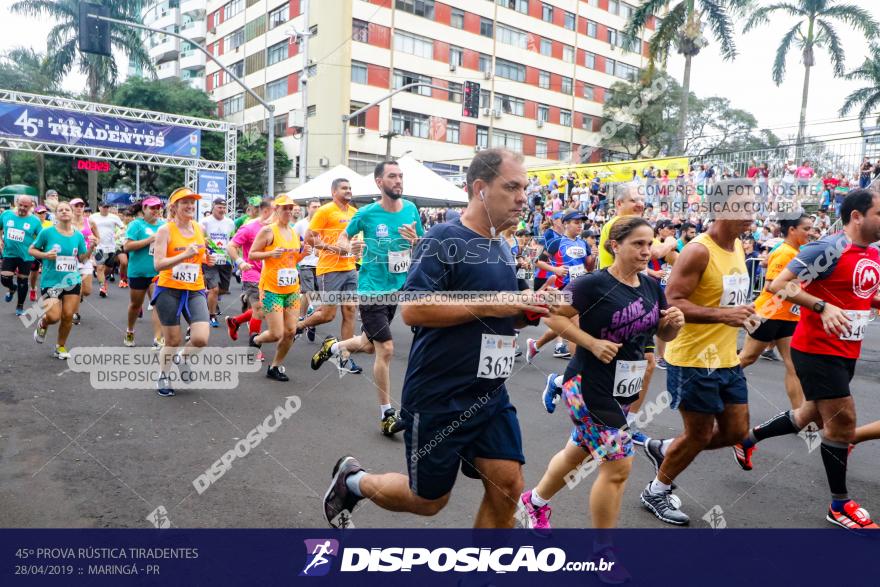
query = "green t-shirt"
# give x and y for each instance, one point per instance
(241, 220)
(19, 233)
(64, 269)
(381, 272)
(140, 262)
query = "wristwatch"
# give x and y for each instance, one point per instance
(819, 307)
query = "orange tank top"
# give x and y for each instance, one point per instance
(188, 274)
(279, 274)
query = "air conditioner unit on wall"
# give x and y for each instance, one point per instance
(478, 148)
(452, 67)
(540, 123)
(487, 111)
(496, 113)
(362, 131)
(487, 74)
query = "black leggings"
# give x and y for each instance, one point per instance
(21, 286)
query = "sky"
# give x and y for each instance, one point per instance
(746, 80)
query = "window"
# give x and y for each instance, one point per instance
(453, 131)
(569, 21)
(566, 85)
(593, 3)
(484, 98)
(234, 40)
(360, 119)
(358, 72)
(564, 151)
(625, 71)
(233, 104)
(280, 126)
(512, 36)
(485, 63)
(541, 148)
(613, 6)
(546, 12)
(589, 92)
(418, 7)
(312, 110)
(403, 78)
(612, 37)
(592, 29)
(510, 70)
(456, 56)
(586, 122)
(231, 9)
(518, 5)
(544, 80)
(510, 105)
(590, 60)
(360, 30)
(568, 54)
(414, 45)
(455, 92)
(628, 43)
(543, 113)
(217, 79)
(609, 66)
(276, 53)
(486, 27)
(278, 16)
(565, 117)
(546, 47)
(508, 140)
(483, 137)
(410, 124)
(238, 68)
(456, 20)
(276, 89)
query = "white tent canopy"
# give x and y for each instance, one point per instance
(423, 186)
(319, 187)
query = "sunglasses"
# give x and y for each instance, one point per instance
(41, 212)
(159, 207)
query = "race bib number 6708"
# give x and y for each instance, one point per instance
(496, 356)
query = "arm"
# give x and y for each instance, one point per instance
(446, 315)
(787, 287)
(160, 261)
(233, 249)
(258, 249)
(561, 322)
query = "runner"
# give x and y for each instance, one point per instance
(86, 226)
(140, 244)
(460, 357)
(42, 213)
(18, 231)
(121, 257)
(178, 256)
(546, 269)
(107, 224)
(278, 248)
(308, 281)
(60, 248)
(844, 269)
(336, 262)
(391, 227)
(618, 311)
(663, 256)
(219, 229)
(778, 316)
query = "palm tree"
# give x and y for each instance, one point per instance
(869, 96)
(682, 28)
(102, 73)
(814, 30)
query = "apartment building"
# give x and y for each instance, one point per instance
(172, 57)
(545, 69)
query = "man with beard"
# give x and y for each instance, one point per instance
(688, 233)
(390, 226)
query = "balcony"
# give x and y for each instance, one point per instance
(194, 31)
(193, 6)
(196, 81)
(167, 17)
(165, 50)
(192, 60)
(167, 70)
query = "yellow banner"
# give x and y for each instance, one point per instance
(612, 172)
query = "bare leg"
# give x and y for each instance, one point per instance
(751, 351)
(70, 306)
(390, 491)
(867, 432)
(348, 319)
(503, 484)
(792, 383)
(607, 492)
(566, 460)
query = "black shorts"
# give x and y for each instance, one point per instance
(823, 376)
(376, 321)
(60, 292)
(139, 283)
(16, 265)
(217, 276)
(539, 283)
(773, 330)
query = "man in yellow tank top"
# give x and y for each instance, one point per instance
(278, 247)
(710, 285)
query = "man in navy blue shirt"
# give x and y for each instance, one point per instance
(455, 405)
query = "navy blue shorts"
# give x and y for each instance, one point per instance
(707, 391)
(437, 444)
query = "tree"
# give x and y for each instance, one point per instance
(869, 96)
(682, 28)
(101, 72)
(813, 31)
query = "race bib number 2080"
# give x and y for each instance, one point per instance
(736, 290)
(496, 356)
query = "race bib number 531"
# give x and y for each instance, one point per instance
(496, 356)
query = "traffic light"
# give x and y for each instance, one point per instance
(471, 103)
(94, 34)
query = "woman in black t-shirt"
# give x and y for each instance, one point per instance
(619, 310)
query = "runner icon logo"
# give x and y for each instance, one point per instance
(810, 434)
(715, 518)
(159, 518)
(320, 554)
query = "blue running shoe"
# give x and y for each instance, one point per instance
(551, 394)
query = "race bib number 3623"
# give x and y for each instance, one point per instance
(496, 356)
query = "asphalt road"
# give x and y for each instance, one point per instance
(75, 456)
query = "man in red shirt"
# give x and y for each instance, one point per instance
(835, 281)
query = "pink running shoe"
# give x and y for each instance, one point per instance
(539, 517)
(531, 350)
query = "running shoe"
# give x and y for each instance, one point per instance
(277, 373)
(560, 351)
(33, 295)
(140, 312)
(244, 303)
(853, 517)
(232, 327)
(531, 350)
(391, 423)
(40, 333)
(260, 356)
(163, 386)
(339, 501)
(123, 284)
(551, 394)
(129, 339)
(517, 353)
(743, 456)
(61, 352)
(158, 343)
(76, 319)
(638, 436)
(770, 355)
(111, 277)
(349, 366)
(310, 333)
(539, 517)
(188, 334)
(324, 353)
(149, 306)
(214, 323)
(19, 310)
(8, 297)
(662, 364)
(103, 291)
(665, 506)
(616, 573)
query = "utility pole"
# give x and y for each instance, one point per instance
(302, 37)
(390, 135)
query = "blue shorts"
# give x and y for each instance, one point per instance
(707, 391)
(437, 444)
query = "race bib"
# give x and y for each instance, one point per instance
(16, 235)
(152, 249)
(575, 271)
(795, 309)
(66, 264)
(185, 273)
(496, 356)
(287, 277)
(858, 324)
(628, 377)
(398, 261)
(520, 273)
(736, 290)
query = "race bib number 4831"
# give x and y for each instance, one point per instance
(736, 290)
(496, 356)
(186, 273)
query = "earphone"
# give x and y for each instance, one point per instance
(482, 197)
(491, 224)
